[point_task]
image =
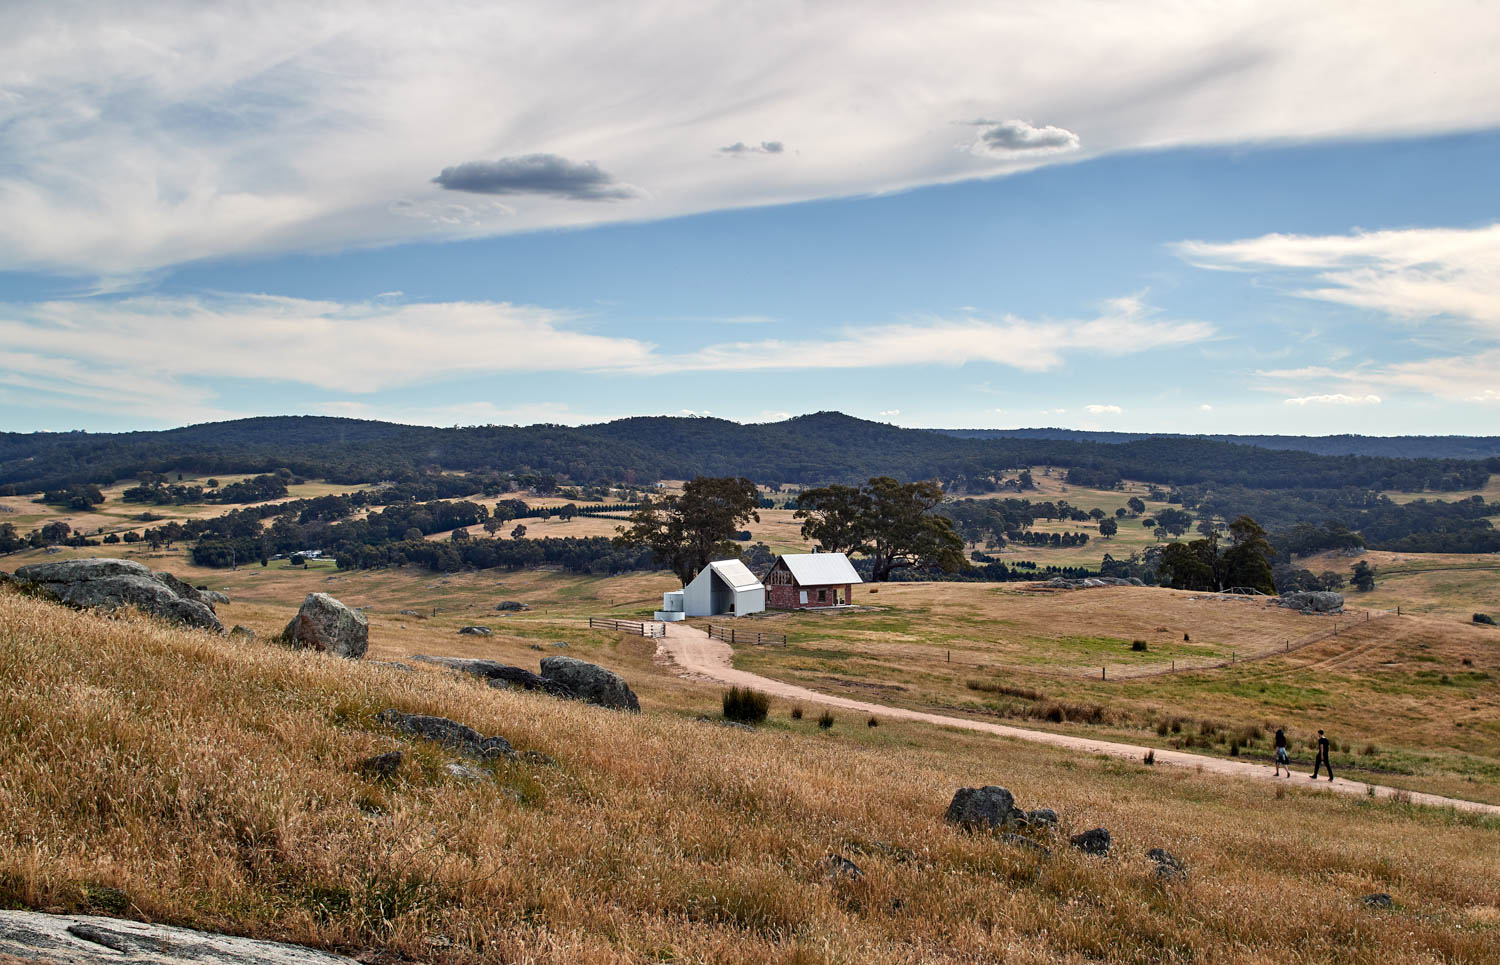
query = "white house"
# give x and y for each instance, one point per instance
(724, 588)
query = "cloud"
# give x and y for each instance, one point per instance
(1335, 399)
(740, 148)
(1016, 137)
(1459, 378)
(1104, 409)
(142, 136)
(887, 413)
(1205, 407)
(544, 174)
(1408, 275)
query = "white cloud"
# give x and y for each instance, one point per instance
(1103, 409)
(1335, 399)
(1463, 378)
(887, 413)
(139, 136)
(1205, 407)
(1410, 275)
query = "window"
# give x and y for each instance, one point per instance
(804, 597)
(822, 596)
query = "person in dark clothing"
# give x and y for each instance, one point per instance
(1282, 761)
(1322, 759)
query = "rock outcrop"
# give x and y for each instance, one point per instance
(1095, 841)
(590, 682)
(450, 733)
(984, 808)
(475, 631)
(499, 674)
(90, 940)
(326, 625)
(109, 584)
(1312, 601)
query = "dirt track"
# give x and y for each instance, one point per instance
(697, 656)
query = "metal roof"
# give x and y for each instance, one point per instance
(818, 569)
(736, 574)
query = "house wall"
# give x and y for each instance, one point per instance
(782, 596)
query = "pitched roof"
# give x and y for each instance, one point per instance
(736, 574)
(817, 569)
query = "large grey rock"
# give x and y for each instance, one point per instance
(591, 682)
(90, 940)
(1312, 601)
(1169, 867)
(499, 674)
(1042, 817)
(475, 631)
(326, 625)
(985, 807)
(1094, 841)
(214, 596)
(450, 733)
(108, 584)
(182, 588)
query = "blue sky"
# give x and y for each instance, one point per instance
(1252, 220)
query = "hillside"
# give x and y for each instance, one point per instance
(188, 779)
(1398, 447)
(813, 449)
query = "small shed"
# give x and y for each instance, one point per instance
(724, 588)
(806, 581)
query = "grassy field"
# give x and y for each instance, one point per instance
(1448, 585)
(213, 783)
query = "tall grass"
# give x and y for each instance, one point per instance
(745, 705)
(194, 780)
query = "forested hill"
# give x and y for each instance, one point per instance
(820, 448)
(1398, 447)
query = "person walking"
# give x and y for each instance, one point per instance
(1322, 759)
(1282, 761)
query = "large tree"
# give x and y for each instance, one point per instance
(685, 533)
(891, 523)
(1201, 565)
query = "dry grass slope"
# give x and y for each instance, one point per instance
(211, 782)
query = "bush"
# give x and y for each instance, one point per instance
(872, 722)
(1139, 646)
(826, 720)
(797, 712)
(1485, 619)
(745, 705)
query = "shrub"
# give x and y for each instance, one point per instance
(872, 722)
(826, 720)
(1485, 619)
(992, 687)
(1370, 750)
(1186, 638)
(1139, 646)
(745, 705)
(1150, 758)
(1162, 727)
(797, 712)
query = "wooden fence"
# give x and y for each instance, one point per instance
(641, 628)
(738, 635)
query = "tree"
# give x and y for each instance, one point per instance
(1120, 513)
(55, 532)
(891, 523)
(519, 532)
(298, 560)
(1247, 562)
(1108, 528)
(687, 532)
(1174, 521)
(1135, 505)
(1364, 577)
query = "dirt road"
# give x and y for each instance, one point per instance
(697, 656)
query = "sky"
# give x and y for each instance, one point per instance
(1252, 217)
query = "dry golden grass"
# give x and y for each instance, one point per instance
(212, 782)
(1449, 585)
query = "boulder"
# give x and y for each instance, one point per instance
(215, 597)
(240, 630)
(182, 588)
(591, 682)
(1169, 867)
(984, 808)
(1095, 841)
(381, 765)
(326, 625)
(507, 605)
(108, 584)
(1312, 601)
(1042, 817)
(90, 940)
(1380, 901)
(837, 866)
(450, 733)
(499, 674)
(476, 631)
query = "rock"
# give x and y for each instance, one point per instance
(1379, 900)
(108, 584)
(476, 631)
(240, 630)
(499, 674)
(410, 613)
(837, 866)
(1095, 841)
(182, 588)
(1090, 582)
(326, 625)
(511, 605)
(215, 597)
(538, 758)
(381, 765)
(537, 646)
(90, 940)
(987, 807)
(450, 733)
(1168, 866)
(1312, 601)
(561, 644)
(464, 772)
(1042, 817)
(1021, 841)
(591, 682)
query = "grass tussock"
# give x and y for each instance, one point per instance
(194, 780)
(745, 705)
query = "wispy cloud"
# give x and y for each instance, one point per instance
(142, 136)
(1103, 409)
(740, 148)
(1337, 398)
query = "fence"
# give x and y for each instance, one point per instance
(641, 628)
(737, 635)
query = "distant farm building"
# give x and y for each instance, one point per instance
(724, 588)
(806, 581)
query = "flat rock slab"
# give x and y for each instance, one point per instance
(90, 940)
(108, 584)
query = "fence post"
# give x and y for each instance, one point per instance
(1101, 673)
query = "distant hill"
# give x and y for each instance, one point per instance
(1398, 447)
(812, 449)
